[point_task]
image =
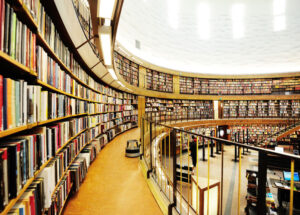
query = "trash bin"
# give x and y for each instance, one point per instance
(132, 149)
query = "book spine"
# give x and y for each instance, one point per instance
(1, 103)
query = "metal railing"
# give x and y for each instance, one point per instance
(84, 17)
(165, 152)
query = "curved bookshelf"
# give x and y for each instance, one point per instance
(28, 183)
(102, 93)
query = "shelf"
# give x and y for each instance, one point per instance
(29, 181)
(60, 91)
(64, 203)
(12, 202)
(25, 16)
(24, 10)
(49, 50)
(16, 64)
(60, 118)
(16, 130)
(8, 132)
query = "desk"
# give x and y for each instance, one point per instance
(283, 193)
(201, 190)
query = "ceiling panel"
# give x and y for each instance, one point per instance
(173, 39)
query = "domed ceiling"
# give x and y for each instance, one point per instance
(227, 37)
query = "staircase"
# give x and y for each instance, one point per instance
(282, 133)
(288, 132)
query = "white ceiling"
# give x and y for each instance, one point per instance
(179, 45)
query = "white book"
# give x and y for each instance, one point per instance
(24, 103)
(46, 172)
(38, 103)
(5, 178)
(49, 143)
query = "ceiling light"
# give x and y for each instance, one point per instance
(278, 7)
(173, 9)
(121, 83)
(112, 73)
(237, 17)
(203, 21)
(105, 40)
(106, 8)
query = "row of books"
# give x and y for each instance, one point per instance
(262, 108)
(128, 69)
(16, 39)
(164, 109)
(49, 72)
(102, 108)
(22, 104)
(253, 133)
(159, 81)
(20, 43)
(49, 32)
(27, 153)
(100, 118)
(46, 195)
(192, 85)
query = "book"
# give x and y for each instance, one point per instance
(4, 177)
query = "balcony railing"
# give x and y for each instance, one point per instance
(211, 188)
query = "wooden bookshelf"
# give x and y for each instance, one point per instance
(127, 69)
(256, 86)
(178, 109)
(96, 92)
(13, 63)
(29, 181)
(159, 81)
(260, 109)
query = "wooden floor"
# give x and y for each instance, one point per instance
(114, 184)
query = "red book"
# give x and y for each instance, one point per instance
(32, 204)
(34, 52)
(59, 135)
(53, 73)
(1, 102)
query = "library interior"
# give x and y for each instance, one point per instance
(149, 107)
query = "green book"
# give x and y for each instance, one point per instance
(13, 36)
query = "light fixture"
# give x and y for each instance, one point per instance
(173, 9)
(203, 21)
(121, 83)
(237, 17)
(105, 40)
(106, 8)
(112, 73)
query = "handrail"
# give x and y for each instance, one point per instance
(159, 131)
(228, 142)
